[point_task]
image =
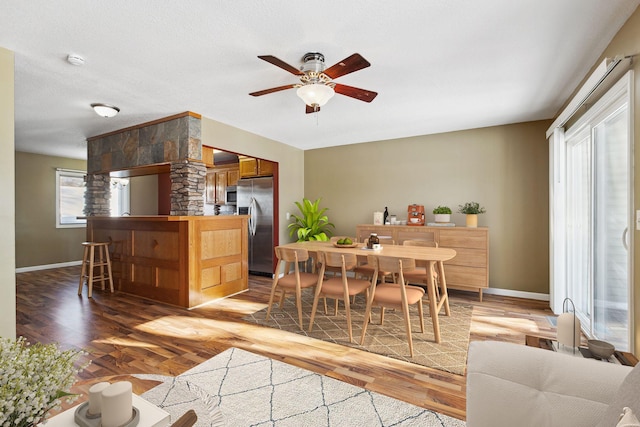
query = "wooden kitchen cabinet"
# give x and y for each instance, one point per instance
(233, 175)
(217, 181)
(468, 270)
(210, 187)
(252, 167)
(221, 187)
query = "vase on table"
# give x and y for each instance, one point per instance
(472, 220)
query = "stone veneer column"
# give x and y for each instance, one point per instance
(97, 196)
(187, 188)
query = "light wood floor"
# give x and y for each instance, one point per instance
(125, 334)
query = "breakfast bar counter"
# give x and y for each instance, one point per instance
(180, 260)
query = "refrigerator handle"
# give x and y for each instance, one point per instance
(252, 217)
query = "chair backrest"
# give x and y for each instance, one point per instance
(292, 255)
(395, 265)
(337, 259)
(423, 243)
(289, 256)
(384, 240)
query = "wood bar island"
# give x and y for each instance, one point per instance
(180, 260)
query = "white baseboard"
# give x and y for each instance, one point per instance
(516, 294)
(47, 266)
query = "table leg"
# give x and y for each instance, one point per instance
(433, 304)
(444, 297)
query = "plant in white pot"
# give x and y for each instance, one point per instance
(472, 210)
(442, 214)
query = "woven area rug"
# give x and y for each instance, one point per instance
(246, 389)
(389, 339)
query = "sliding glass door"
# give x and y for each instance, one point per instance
(598, 218)
(610, 311)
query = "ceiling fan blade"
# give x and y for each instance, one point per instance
(280, 63)
(310, 109)
(354, 92)
(273, 89)
(348, 65)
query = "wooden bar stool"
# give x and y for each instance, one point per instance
(89, 262)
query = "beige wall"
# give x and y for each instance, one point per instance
(504, 168)
(7, 204)
(38, 241)
(290, 162)
(627, 42)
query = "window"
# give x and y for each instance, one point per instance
(119, 196)
(70, 186)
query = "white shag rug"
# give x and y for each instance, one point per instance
(237, 388)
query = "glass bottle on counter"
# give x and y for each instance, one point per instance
(373, 240)
(385, 216)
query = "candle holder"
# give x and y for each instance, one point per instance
(568, 330)
(83, 419)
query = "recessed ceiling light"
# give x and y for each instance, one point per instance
(74, 59)
(105, 110)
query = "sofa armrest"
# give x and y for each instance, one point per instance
(515, 385)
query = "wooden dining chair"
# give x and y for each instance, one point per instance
(338, 288)
(336, 270)
(292, 279)
(419, 275)
(396, 295)
(366, 270)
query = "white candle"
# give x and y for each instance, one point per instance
(117, 404)
(95, 398)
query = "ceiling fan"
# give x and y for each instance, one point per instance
(316, 85)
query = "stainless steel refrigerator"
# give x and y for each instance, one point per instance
(255, 198)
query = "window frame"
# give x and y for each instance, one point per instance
(78, 223)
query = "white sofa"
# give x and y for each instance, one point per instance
(515, 385)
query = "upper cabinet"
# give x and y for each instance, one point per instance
(251, 167)
(207, 156)
(218, 179)
(233, 175)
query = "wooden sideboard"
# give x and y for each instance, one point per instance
(180, 260)
(469, 270)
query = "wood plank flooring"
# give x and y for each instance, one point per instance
(125, 334)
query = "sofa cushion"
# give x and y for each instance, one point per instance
(514, 385)
(628, 394)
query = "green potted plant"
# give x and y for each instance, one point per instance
(443, 214)
(472, 210)
(312, 223)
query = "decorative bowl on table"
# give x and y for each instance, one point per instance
(344, 245)
(601, 349)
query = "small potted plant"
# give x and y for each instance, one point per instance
(471, 209)
(443, 214)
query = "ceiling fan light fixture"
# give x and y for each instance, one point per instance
(105, 110)
(315, 95)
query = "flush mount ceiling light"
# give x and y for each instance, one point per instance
(105, 110)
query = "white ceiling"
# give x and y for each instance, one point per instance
(437, 66)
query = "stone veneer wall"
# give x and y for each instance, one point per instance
(97, 195)
(187, 188)
(175, 141)
(159, 142)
